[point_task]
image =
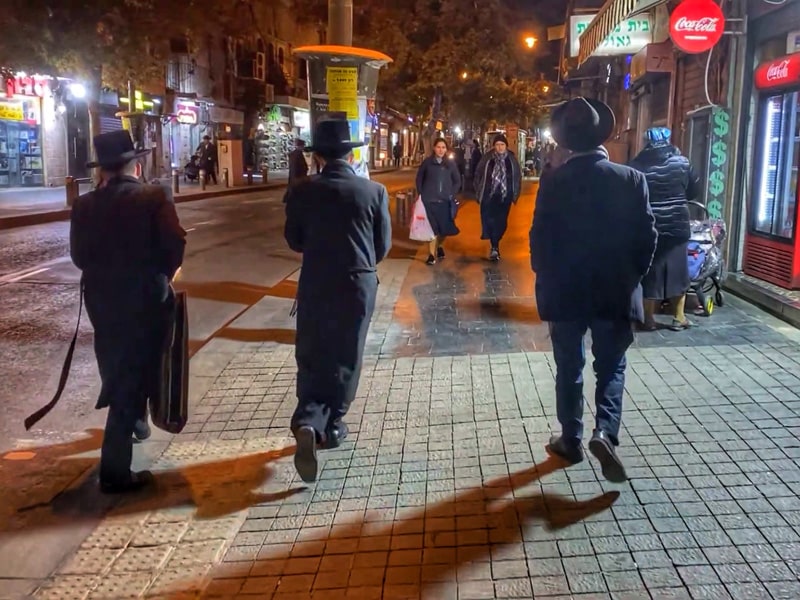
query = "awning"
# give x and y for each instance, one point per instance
(611, 14)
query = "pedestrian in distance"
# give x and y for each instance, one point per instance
(438, 182)
(298, 166)
(498, 185)
(340, 222)
(592, 241)
(208, 158)
(672, 184)
(126, 240)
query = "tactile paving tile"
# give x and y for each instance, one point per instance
(185, 582)
(121, 585)
(221, 529)
(134, 560)
(90, 561)
(157, 534)
(110, 536)
(68, 587)
(188, 556)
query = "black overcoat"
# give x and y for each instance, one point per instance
(128, 243)
(341, 224)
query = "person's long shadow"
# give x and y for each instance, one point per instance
(478, 517)
(214, 488)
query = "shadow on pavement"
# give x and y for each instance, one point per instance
(281, 336)
(54, 487)
(404, 558)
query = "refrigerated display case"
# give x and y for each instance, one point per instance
(772, 249)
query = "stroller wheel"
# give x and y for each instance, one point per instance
(708, 308)
(719, 298)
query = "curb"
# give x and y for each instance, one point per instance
(770, 302)
(53, 216)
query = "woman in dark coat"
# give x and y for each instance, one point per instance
(498, 184)
(672, 184)
(438, 182)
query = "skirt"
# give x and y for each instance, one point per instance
(440, 216)
(669, 274)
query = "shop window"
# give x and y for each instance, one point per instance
(695, 146)
(281, 57)
(302, 69)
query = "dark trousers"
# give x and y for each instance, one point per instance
(129, 327)
(329, 350)
(610, 341)
(494, 220)
(211, 173)
(397, 161)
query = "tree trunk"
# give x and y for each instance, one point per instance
(429, 134)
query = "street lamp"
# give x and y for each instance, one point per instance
(530, 41)
(464, 75)
(545, 88)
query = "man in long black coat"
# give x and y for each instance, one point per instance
(127, 241)
(340, 222)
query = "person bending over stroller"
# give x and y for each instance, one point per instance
(191, 171)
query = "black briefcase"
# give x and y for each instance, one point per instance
(169, 401)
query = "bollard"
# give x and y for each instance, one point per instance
(249, 175)
(176, 181)
(202, 176)
(72, 189)
(225, 180)
(399, 207)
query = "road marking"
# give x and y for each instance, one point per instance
(191, 229)
(26, 275)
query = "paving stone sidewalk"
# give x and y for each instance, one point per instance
(444, 490)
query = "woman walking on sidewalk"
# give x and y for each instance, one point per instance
(672, 183)
(438, 182)
(498, 184)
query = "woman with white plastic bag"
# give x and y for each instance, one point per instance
(421, 230)
(438, 182)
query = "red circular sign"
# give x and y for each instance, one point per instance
(696, 25)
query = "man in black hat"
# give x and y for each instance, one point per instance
(207, 158)
(592, 242)
(126, 240)
(340, 222)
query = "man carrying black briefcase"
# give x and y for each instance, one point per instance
(128, 243)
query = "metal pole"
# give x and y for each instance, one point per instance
(202, 179)
(176, 181)
(340, 22)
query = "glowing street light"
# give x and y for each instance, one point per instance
(530, 41)
(545, 88)
(464, 75)
(457, 130)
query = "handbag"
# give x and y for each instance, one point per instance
(169, 398)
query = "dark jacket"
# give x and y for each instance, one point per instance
(207, 156)
(341, 224)
(126, 239)
(483, 176)
(592, 240)
(438, 182)
(672, 183)
(298, 167)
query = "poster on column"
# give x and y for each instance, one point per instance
(342, 88)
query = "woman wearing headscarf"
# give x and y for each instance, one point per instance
(498, 184)
(438, 182)
(672, 183)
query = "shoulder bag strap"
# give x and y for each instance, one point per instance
(31, 420)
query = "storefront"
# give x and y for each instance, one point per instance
(771, 250)
(21, 143)
(188, 124)
(276, 131)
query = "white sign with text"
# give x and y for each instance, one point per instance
(629, 37)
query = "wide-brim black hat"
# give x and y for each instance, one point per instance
(114, 149)
(332, 135)
(582, 124)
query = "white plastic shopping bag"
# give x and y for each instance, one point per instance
(421, 230)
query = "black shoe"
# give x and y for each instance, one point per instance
(440, 253)
(141, 431)
(134, 483)
(604, 452)
(431, 260)
(305, 455)
(335, 436)
(558, 447)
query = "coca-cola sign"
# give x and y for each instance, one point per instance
(696, 26)
(779, 73)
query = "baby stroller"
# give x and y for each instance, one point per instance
(706, 265)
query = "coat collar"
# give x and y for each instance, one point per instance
(338, 166)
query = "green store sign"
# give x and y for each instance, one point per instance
(718, 161)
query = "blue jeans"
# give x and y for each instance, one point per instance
(610, 341)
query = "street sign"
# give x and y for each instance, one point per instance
(628, 37)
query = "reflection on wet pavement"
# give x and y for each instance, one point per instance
(468, 305)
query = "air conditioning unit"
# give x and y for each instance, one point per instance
(269, 93)
(253, 67)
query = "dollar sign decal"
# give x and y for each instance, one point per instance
(719, 153)
(714, 208)
(721, 122)
(716, 183)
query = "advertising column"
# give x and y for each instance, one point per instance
(342, 83)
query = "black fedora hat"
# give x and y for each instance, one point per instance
(332, 135)
(582, 124)
(114, 149)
